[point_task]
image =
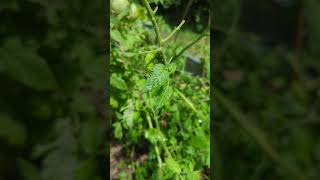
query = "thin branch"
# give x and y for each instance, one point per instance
(155, 10)
(190, 104)
(155, 27)
(146, 52)
(155, 146)
(174, 31)
(189, 45)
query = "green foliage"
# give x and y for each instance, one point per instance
(8, 125)
(52, 72)
(150, 118)
(118, 82)
(157, 79)
(266, 90)
(38, 74)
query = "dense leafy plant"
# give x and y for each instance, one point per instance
(160, 110)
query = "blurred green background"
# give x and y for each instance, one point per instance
(53, 89)
(266, 108)
(265, 84)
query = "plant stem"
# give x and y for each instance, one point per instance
(174, 31)
(146, 52)
(155, 27)
(158, 127)
(156, 146)
(189, 45)
(190, 104)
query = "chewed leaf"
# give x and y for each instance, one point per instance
(157, 78)
(149, 57)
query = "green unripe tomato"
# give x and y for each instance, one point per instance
(119, 6)
(133, 11)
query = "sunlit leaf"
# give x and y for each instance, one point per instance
(173, 165)
(157, 78)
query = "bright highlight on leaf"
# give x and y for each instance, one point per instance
(157, 78)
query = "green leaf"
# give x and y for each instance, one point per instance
(149, 57)
(193, 175)
(116, 35)
(117, 130)
(89, 136)
(157, 78)
(27, 170)
(113, 102)
(87, 169)
(164, 97)
(22, 63)
(149, 60)
(173, 165)
(200, 142)
(172, 68)
(12, 130)
(117, 82)
(82, 104)
(154, 135)
(61, 162)
(128, 115)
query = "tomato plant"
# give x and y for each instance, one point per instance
(160, 111)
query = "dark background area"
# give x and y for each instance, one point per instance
(53, 89)
(265, 85)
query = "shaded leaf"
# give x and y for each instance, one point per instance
(27, 170)
(117, 82)
(89, 135)
(128, 115)
(11, 130)
(22, 64)
(87, 169)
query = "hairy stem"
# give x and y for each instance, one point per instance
(155, 27)
(174, 31)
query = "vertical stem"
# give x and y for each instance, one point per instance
(156, 28)
(155, 117)
(156, 146)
